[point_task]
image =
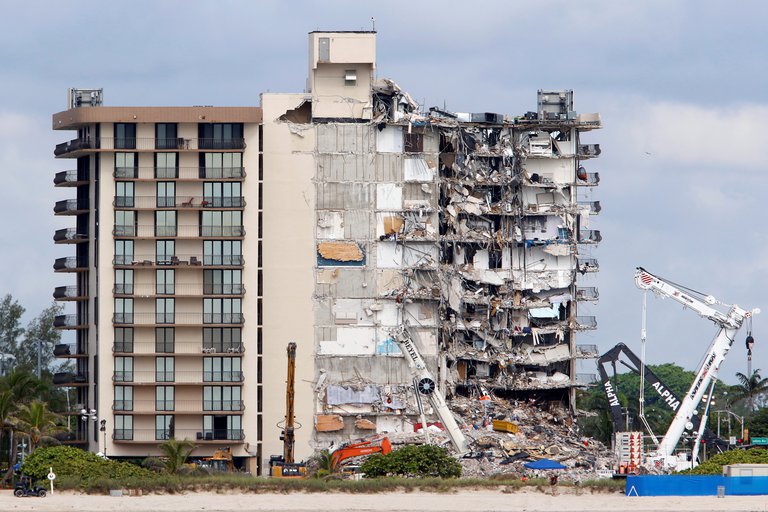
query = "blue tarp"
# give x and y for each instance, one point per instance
(544, 464)
(695, 485)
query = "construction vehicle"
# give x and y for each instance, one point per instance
(664, 457)
(284, 466)
(376, 444)
(220, 461)
(425, 384)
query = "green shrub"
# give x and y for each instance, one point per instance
(413, 461)
(714, 465)
(69, 462)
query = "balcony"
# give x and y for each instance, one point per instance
(70, 207)
(73, 178)
(68, 293)
(587, 294)
(183, 202)
(589, 236)
(180, 173)
(178, 406)
(69, 236)
(177, 377)
(69, 264)
(76, 437)
(593, 206)
(587, 265)
(65, 350)
(585, 379)
(69, 379)
(182, 231)
(75, 147)
(177, 318)
(151, 348)
(585, 323)
(126, 173)
(179, 289)
(587, 179)
(151, 435)
(152, 260)
(586, 351)
(69, 322)
(588, 151)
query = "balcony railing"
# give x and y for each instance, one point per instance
(75, 145)
(587, 293)
(178, 347)
(586, 351)
(594, 206)
(178, 202)
(588, 150)
(586, 322)
(70, 178)
(178, 318)
(180, 173)
(589, 236)
(182, 231)
(67, 292)
(192, 289)
(68, 264)
(194, 406)
(76, 437)
(585, 265)
(69, 235)
(70, 207)
(585, 379)
(69, 378)
(227, 260)
(176, 377)
(68, 321)
(148, 143)
(150, 435)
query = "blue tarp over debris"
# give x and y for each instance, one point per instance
(544, 464)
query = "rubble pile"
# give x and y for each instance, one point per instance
(542, 431)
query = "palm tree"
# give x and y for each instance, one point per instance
(750, 388)
(176, 453)
(15, 389)
(37, 422)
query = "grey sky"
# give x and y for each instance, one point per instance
(680, 86)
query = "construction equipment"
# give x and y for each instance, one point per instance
(376, 444)
(220, 461)
(729, 323)
(284, 466)
(425, 384)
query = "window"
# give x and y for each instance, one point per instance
(220, 136)
(125, 135)
(126, 165)
(166, 194)
(222, 369)
(165, 339)
(124, 194)
(123, 310)
(222, 252)
(165, 251)
(221, 165)
(123, 369)
(222, 223)
(166, 165)
(123, 427)
(222, 427)
(165, 282)
(222, 282)
(414, 143)
(164, 398)
(165, 223)
(123, 339)
(222, 398)
(165, 311)
(222, 311)
(123, 252)
(222, 339)
(226, 194)
(124, 282)
(123, 398)
(164, 428)
(350, 77)
(125, 223)
(165, 136)
(164, 369)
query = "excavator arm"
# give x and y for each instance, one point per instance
(365, 447)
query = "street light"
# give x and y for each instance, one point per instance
(85, 415)
(103, 429)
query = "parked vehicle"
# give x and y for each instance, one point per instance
(25, 487)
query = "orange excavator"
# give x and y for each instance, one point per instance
(377, 444)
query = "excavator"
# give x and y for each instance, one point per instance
(376, 444)
(284, 466)
(220, 461)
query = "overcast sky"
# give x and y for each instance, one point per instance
(681, 87)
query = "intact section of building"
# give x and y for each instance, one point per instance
(165, 238)
(469, 229)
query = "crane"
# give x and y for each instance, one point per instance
(284, 466)
(729, 324)
(425, 385)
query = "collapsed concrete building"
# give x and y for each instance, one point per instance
(469, 229)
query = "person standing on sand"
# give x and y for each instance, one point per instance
(553, 483)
